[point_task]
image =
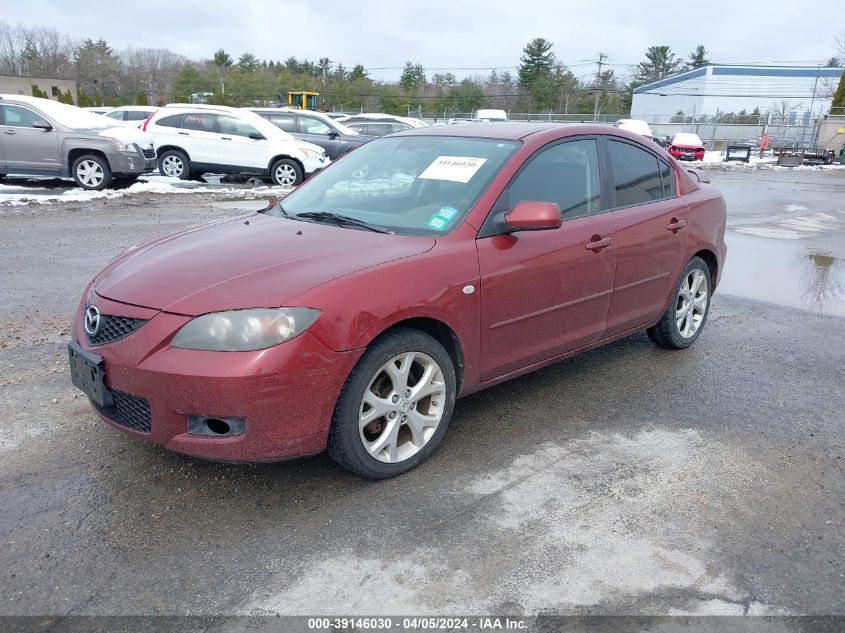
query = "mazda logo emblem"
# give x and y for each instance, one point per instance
(92, 320)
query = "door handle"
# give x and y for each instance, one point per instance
(184, 133)
(598, 243)
(225, 138)
(9, 132)
(675, 225)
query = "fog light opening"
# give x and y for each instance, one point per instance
(218, 426)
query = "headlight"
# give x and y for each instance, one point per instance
(124, 147)
(244, 330)
(310, 153)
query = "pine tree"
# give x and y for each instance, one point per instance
(660, 62)
(839, 97)
(413, 77)
(537, 61)
(247, 62)
(698, 57)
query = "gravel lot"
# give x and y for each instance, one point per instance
(629, 480)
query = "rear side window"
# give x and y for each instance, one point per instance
(174, 120)
(668, 178)
(286, 122)
(566, 173)
(636, 176)
(115, 115)
(137, 115)
(200, 121)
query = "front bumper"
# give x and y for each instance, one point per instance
(313, 165)
(134, 163)
(286, 394)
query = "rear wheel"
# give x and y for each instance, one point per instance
(175, 164)
(684, 319)
(91, 172)
(395, 406)
(286, 172)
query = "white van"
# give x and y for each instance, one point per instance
(494, 116)
(191, 140)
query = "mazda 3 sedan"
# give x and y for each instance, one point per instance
(417, 269)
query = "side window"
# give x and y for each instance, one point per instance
(115, 115)
(17, 116)
(199, 121)
(231, 125)
(137, 115)
(174, 120)
(566, 173)
(286, 122)
(310, 125)
(668, 178)
(635, 173)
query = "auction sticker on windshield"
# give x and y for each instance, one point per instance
(455, 168)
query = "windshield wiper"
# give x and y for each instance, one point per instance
(341, 220)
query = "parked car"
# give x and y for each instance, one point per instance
(98, 109)
(686, 146)
(352, 314)
(191, 140)
(334, 137)
(491, 116)
(131, 116)
(40, 137)
(636, 126)
(370, 126)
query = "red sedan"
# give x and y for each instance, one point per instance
(419, 268)
(686, 146)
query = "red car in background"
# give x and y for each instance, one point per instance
(686, 146)
(418, 268)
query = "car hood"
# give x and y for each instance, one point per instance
(127, 135)
(254, 261)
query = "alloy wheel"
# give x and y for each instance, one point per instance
(90, 173)
(173, 166)
(402, 407)
(286, 175)
(691, 304)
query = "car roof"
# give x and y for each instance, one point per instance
(200, 106)
(509, 131)
(135, 108)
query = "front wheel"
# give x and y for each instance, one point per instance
(286, 172)
(91, 172)
(684, 319)
(395, 406)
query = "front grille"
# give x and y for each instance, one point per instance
(113, 328)
(129, 411)
(149, 153)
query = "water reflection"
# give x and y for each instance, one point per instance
(784, 272)
(823, 280)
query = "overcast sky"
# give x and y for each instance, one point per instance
(456, 36)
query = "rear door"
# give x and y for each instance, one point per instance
(544, 293)
(200, 137)
(652, 224)
(28, 150)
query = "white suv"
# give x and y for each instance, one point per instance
(191, 140)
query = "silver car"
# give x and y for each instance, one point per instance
(40, 137)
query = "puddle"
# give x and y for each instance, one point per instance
(785, 273)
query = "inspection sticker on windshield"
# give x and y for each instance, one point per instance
(454, 168)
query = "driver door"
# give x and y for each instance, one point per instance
(545, 293)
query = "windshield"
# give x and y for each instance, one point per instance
(411, 185)
(73, 117)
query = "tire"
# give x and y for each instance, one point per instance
(91, 172)
(691, 299)
(381, 446)
(175, 164)
(286, 172)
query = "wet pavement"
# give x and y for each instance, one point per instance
(626, 480)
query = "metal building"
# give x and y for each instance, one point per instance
(798, 93)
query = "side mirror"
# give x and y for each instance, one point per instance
(528, 215)
(42, 125)
(333, 133)
(255, 136)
